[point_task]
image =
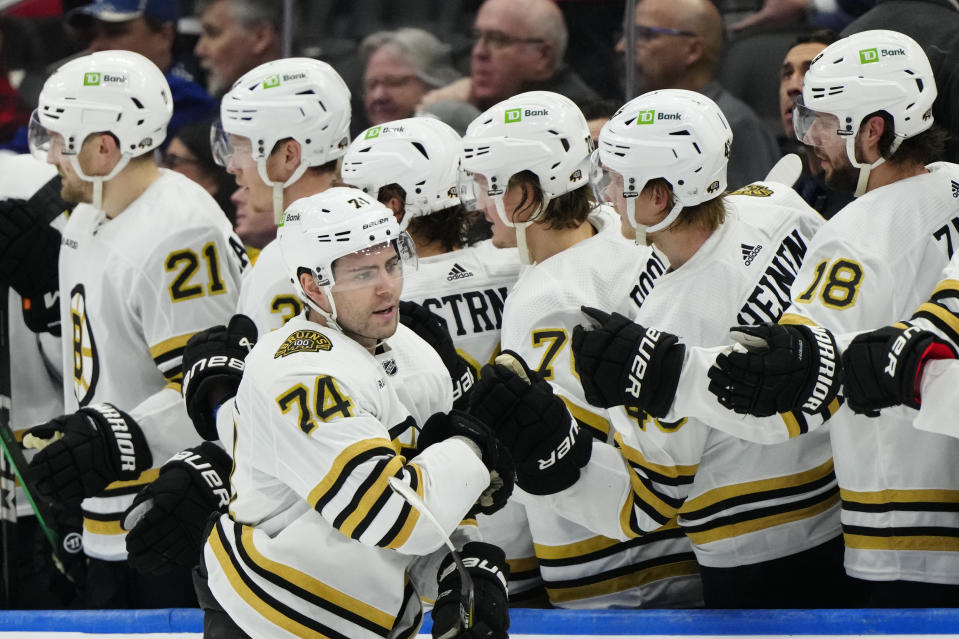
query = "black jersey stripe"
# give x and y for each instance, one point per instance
(406, 511)
(347, 469)
(302, 593)
(360, 493)
(619, 571)
(759, 513)
(673, 532)
(764, 495)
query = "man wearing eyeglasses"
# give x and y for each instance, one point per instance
(518, 45)
(678, 46)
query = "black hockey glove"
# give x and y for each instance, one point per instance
(212, 370)
(432, 328)
(81, 453)
(786, 368)
(621, 363)
(496, 458)
(29, 250)
(67, 568)
(883, 368)
(487, 567)
(546, 443)
(168, 518)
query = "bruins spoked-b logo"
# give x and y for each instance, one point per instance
(86, 362)
(305, 341)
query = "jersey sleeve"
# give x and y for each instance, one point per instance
(330, 448)
(940, 312)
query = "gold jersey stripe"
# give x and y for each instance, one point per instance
(762, 523)
(313, 585)
(590, 419)
(910, 542)
(352, 451)
(624, 582)
(522, 564)
(635, 456)
(792, 425)
(942, 313)
(946, 285)
(413, 516)
(241, 588)
(103, 527)
(372, 495)
(793, 318)
(162, 348)
(575, 549)
(723, 493)
(902, 496)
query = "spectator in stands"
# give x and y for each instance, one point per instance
(400, 67)
(678, 46)
(13, 113)
(935, 25)
(147, 27)
(518, 45)
(598, 113)
(236, 36)
(811, 184)
(188, 152)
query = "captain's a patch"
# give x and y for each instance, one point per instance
(303, 342)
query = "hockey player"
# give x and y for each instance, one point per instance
(527, 161)
(763, 520)
(411, 166)
(313, 447)
(147, 260)
(867, 114)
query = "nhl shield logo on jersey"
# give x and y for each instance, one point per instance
(754, 190)
(303, 342)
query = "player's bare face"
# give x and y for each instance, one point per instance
(367, 292)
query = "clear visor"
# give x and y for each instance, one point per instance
(42, 141)
(607, 184)
(228, 149)
(811, 125)
(378, 265)
(475, 191)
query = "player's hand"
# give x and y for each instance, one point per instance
(80, 454)
(213, 363)
(883, 368)
(168, 518)
(546, 443)
(487, 567)
(785, 368)
(441, 426)
(621, 363)
(432, 328)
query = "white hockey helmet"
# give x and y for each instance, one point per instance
(537, 131)
(299, 98)
(678, 135)
(419, 154)
(119, 92)
(871, 71)
(320, 229)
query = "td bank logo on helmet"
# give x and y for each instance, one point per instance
(517, 115)
(95, 79)
(651, 115)
(867, 56)
(275, 80)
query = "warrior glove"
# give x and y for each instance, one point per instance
(489, 617)
(80, 454)
(168, 518)
(621, 363)
(785, 368)
(546, 443)
(432, 328)
(495, 456)
(883, 368)
(213, 363)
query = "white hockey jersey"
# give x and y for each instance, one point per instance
(581, 569)
(133, 291)
(316, 543)
(468, 289)
(739, 502)
(871, 265)
(267, 296)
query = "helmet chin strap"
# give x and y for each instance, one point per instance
(278, 187)
(866, 169)
(520, 227)
(98, 180)
(329, 316)
(643, 231)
